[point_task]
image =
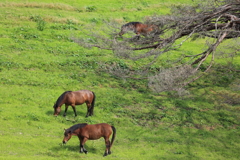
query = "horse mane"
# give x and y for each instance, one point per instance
(76, 126)
(131, 23)
(60, 99)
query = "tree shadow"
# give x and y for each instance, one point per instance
(192, 132)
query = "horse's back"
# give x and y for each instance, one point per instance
(81, 96)
(131, 24)
(146, 29)
(101, 126)
(106, 129)
(84, 92)
(96, 131)
(139, 28)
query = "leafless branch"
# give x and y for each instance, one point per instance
(217, 20)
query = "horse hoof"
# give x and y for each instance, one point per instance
(105, 154)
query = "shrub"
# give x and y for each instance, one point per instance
(91, 8)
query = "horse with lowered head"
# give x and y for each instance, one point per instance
(86, 132)
(73, 98)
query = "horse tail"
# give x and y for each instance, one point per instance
(114, 134)
(93, 102)
(60, 98)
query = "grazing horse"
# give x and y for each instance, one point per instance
(86, 132)
(139, 29)
(73, 98)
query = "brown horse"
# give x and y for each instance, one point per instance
(73, 98)
(139, 29)
(86, 132)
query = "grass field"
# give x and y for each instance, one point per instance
(39, 61)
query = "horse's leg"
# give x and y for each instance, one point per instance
(137, 37)
(91, 109)
(137, 32)
(82, 142)
(88, 109)
(108, 145)
(81, 146)
(66, 108)
(74, 109)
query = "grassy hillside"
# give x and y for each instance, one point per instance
(39, 61)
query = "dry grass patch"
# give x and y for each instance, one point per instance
(60, 20)
(56, 6)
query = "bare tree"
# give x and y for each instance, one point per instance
(217, 20)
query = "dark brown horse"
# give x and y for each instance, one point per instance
(86, 132)
(73, 98)
(139, 29)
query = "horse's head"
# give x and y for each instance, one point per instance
(131, 26)
(57, 110)
(121, 32)
(67, 135)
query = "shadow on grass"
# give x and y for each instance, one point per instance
(69, 113)
(72, 149)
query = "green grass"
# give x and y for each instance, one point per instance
(39, 61)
